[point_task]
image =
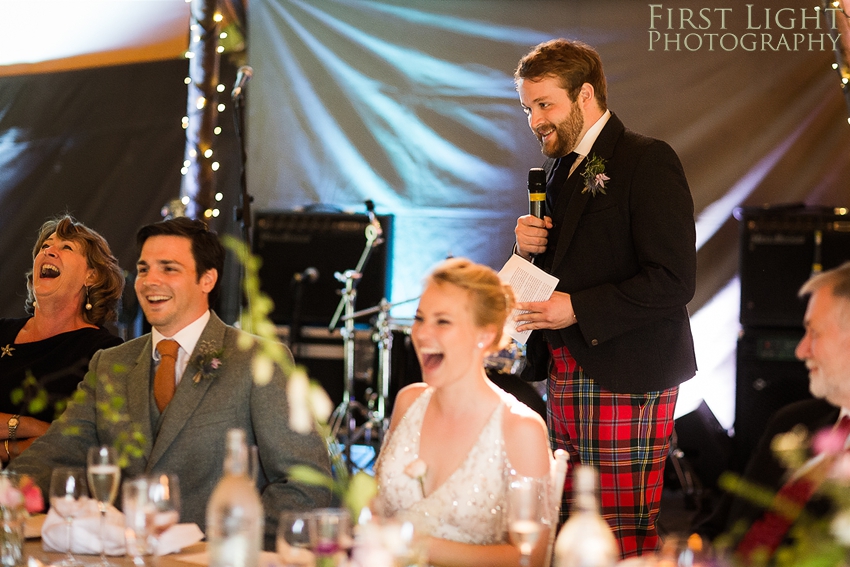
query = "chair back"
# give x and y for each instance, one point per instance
(557, 475)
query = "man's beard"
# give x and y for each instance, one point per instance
(566, 134)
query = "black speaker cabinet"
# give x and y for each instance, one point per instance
(768, 377)
(290, 242)
(780, 247)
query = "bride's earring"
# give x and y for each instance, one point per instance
(88, 303)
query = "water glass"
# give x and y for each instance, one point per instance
(134, 503)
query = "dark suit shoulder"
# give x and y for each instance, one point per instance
(814, 414)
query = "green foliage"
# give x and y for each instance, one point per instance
(355, 492)
(130, 442)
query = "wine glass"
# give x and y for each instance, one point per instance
(134, 503)
(104, 477)
(163, 506)
(68, 493)
(527, 513)
(293, 539)
(330, 531)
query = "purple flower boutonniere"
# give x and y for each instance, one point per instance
(594, 175)
(207, 361)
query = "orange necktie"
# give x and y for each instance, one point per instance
(164, 381)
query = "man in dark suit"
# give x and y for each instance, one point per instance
(211, 389)
(614, 339)
(825, 348)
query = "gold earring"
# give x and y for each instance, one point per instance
(88, 303)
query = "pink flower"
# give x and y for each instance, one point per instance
(33, 499)
(600, 179)
(829, 441)
(215, 363)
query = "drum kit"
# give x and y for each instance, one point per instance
(354, 422)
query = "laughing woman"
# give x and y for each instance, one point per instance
(455, 438)
(73, 289)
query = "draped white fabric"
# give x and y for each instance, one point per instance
(412, 104)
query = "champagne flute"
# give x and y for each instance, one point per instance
(163, 506)
(527, 513)
(68, 493)
(104, 477)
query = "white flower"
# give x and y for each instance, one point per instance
(263, 368)
(840, 527)
(297, 388)
(320, 402)
(417, 469)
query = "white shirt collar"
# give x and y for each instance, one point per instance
(187, 337)
(584, 146)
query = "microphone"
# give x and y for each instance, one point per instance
(310, 275)
(242, 77)
(373, 219)
(536, 192)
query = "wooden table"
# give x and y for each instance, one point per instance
(32, 548)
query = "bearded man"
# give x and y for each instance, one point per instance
(614, 340)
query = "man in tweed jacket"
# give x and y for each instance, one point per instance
(178, 275)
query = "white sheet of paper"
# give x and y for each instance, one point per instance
(529, 283)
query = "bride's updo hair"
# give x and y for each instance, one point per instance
(491, 301)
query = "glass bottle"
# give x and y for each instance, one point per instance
(585, 540)
(235, 512)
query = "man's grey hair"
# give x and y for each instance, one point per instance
(838, 280)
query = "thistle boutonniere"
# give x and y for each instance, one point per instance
(207, 361)
(417, 469)
(594, 175)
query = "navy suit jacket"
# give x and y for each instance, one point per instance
(628, 259)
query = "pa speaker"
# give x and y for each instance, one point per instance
(780, 247)
(768, 377)
(302, 251)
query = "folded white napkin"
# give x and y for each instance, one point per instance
(85, 531)
(85, 534)
(177, 537)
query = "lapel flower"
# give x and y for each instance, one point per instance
(594, 175)
(417, 469)
(207, 361)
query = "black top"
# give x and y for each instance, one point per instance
(59, 363)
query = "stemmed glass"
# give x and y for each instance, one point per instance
(293, 539)
(528, 513)
(68, 493)
(104, 477)
(163, 506)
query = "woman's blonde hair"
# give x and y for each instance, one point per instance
(491, 300)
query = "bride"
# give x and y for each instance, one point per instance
(455, 438)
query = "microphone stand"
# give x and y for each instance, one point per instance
(242, 212)
(343, 413)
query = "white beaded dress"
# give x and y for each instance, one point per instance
(469, 506)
